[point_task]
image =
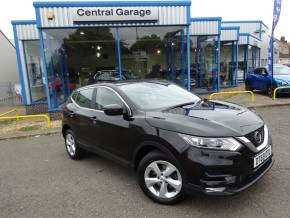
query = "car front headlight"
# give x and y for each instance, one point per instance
(229, 143)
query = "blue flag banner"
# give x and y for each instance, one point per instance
(276, 16)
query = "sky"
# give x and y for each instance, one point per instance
(227, 9)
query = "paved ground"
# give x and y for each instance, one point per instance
(261, 99)
(37, 179)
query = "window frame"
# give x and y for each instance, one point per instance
(130, 113)
(78, 92)
(116, 93)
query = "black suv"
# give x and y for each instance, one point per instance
(177, 142)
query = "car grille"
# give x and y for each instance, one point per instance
(257, 136)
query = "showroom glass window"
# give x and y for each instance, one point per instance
(228, 63)
(73, 56)
(153, 52)
(204, 63)
(34, 70)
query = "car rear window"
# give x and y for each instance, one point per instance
(84, 98)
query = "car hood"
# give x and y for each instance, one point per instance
(282, 77)
(225, 120)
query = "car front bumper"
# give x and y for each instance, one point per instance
(222, 173)
(229, 189)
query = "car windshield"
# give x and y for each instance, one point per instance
(157, 95)
(281, 70)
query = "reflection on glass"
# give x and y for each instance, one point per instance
(228, 63)
(34, 70)
(77, 57)
(74, 56)
(153, 52)
(203, 65)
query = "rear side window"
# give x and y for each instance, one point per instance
(84, 98)
(105, 97)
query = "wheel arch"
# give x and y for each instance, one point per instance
(65, 127)
(148, 146)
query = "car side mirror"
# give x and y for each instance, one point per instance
(113, 110)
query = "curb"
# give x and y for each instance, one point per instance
(30, 136)
(269, 105)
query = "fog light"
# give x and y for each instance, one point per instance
(217, 189)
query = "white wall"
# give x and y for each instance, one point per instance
(8, 61)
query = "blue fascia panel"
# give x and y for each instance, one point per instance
(230, 28)
(22, 22)
(196, 19)
(247, 21)
(242, 21)
(74, 27)
(111, 3)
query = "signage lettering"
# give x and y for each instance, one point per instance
(114, 14)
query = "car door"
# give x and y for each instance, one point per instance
(257, 79)
(83, 115)
(111, 133)
(265, 79)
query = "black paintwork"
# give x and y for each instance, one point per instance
(127, 138)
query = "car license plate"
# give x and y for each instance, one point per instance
(262, 157)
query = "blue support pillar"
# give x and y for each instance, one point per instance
(245, 61)
(182, 59)
(232, 65)
(237, 62)
(219, 63)
(52, 74)
(61, 71)
(27, 72)
(43, 58)
(67, 75)
(172, 62)
(259, 57)
(167, 61)
(19, 62)
(188, 57)
(213, 70)
(119, 54)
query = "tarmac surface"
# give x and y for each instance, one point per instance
(38, 179)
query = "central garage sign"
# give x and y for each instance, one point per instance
(104, 14)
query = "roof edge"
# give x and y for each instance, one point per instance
(22, 22)
(110, 3)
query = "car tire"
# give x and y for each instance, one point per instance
(73, 150)
(161, 178)
(270, 91)
(248, 86)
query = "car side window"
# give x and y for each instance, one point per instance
(105, 96)
(84, 98)
(258, 71)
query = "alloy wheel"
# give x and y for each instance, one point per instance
(70, 144)
(163, 179)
